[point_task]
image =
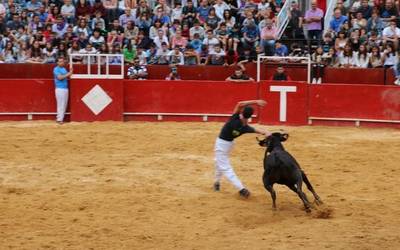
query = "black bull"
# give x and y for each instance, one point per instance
(281, 167)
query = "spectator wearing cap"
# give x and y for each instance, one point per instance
(337, 21)
(313, 21)
(268, 38)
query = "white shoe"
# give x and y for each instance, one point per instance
(314, 81)
(319, 80)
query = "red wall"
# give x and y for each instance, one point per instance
(214, 73)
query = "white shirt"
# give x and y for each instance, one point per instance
(219, 9)
(390, 32)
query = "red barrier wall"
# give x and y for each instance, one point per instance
(287, 103)
(214, 73)
(342, 101)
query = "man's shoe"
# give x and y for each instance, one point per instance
(244, 193)
(217, 187)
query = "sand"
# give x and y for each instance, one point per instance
(149, 186)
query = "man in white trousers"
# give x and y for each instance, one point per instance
(236, 126)
(61, 76)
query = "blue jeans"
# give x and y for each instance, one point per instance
(268, 46)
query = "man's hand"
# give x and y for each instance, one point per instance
(261, 103)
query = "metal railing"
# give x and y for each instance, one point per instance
(283, 19)
(97, 59)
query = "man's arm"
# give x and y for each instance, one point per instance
(241, 104)
(62, 77)
(262, 131)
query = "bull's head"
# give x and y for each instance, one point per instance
(273, 140)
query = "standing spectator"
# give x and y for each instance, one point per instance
(317, 66)
(337, 21)
(268, 38)
(313, 21)
(61, 76)
(295, 21)
(68, 11)
(137, 71)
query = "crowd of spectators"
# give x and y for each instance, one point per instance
(362, 33)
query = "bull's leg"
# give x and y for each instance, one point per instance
(273, 195)
(303, 197)
(318, 200)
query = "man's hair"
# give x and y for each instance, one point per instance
(247, 112)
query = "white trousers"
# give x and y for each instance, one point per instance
(62, 102)
(222, 164)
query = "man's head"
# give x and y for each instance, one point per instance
(313, 4)
(337, 13)
(60, 62)
(238, 72)
(280, 69)
(247, 112)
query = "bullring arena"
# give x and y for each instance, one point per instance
(141, 185)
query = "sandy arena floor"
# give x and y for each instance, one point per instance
(148, 186)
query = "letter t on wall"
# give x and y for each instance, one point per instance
(283, 100)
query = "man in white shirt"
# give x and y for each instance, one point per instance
(210, 41)
(88, 50)
(160, 38)
(68, 11)
(391, 34)
(220, 6)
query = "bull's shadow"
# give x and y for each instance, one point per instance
(282, 168)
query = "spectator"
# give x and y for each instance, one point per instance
(88, 50)
(173, 75)
(98, 21)
(141, 54)
(340, 41)
(111, 10)
(389, 56)
(388, 12)
(115, 26)
(177, 12)
(216, 56)
(365, 9)
(115, 60)
(313, 21)
(130, 31)
(2, 10)
(190, 56)
(114, 39)
(228, 19)
(330, 58)
(82, 41)
(163, 54)
(396, 71)
(189, 13)
(202, 11)
(161, 16)
(281, 49)
(346, 57)
(49, 53)
(176, 56)
(15, 23)
(137, 71)
(82, 27)
(239, 75)
(68, 11)
(196, 43)
(143, 41)
(151, 55)
(96, 39)
(210, 40)
(337, 21)
(295, 26)
(60, 27)
(391, 34)
(220, 6)
(33, 6)
(268, 38)
(359, 22)
(375, 23)
(234, 37)
(54, 12)
(247, 55)
(144, 22)
(263, 5)
(129, 52)
(128, 16)
(318, 66)
(178, 40)
(375, 59)
(36, 53)
(8, 54)
(61, 51)
(160, 38)
(83, 10)
(212, 20)
(250, 34)
(280, 75)
(197, 29)
(222, 35)
(362, 57)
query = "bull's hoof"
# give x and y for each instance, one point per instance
(308, 210)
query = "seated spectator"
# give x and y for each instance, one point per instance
(60, 27)
(23, 53)
(96, 39)
(177, 12)
(173, 75)
(36, 55)
(131, 31)
(176, 56)
(178, 40)
(212, 20)
(330, 58)
(341, 41)
(234, 38)
(197, 29)
(388, 12)
(88, 50)
(389, 56)
(189, 13)
(49, 53)
(373, 40)
(137, 71)
(362, 57)
(247, 55)
(75, 49)
(391, 34)
(196, 43)
(202, 11)
(114, 39)
(216, 56)
(163, 54)
(8, 54)
(280, 75)
(160, 38)
(82, 27)
(143, 41)
(222, 35)
(375, 59)
(365, 9)
(83, 10)
(239, 75)
(153, 31)
(151, 55)
(191, 57)
(281, 49)
(250, 34)
(211, 41)
(68, 11)
(143, 22)
(346, 57)
(115, 60)
(231, 57)
(359, 22)
(115, 26)
(98, 21)
(337, 21)
(128, 16)
(142, 55)
(161, 16)
(129, 52)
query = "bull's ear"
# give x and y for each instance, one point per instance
(284, 137)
